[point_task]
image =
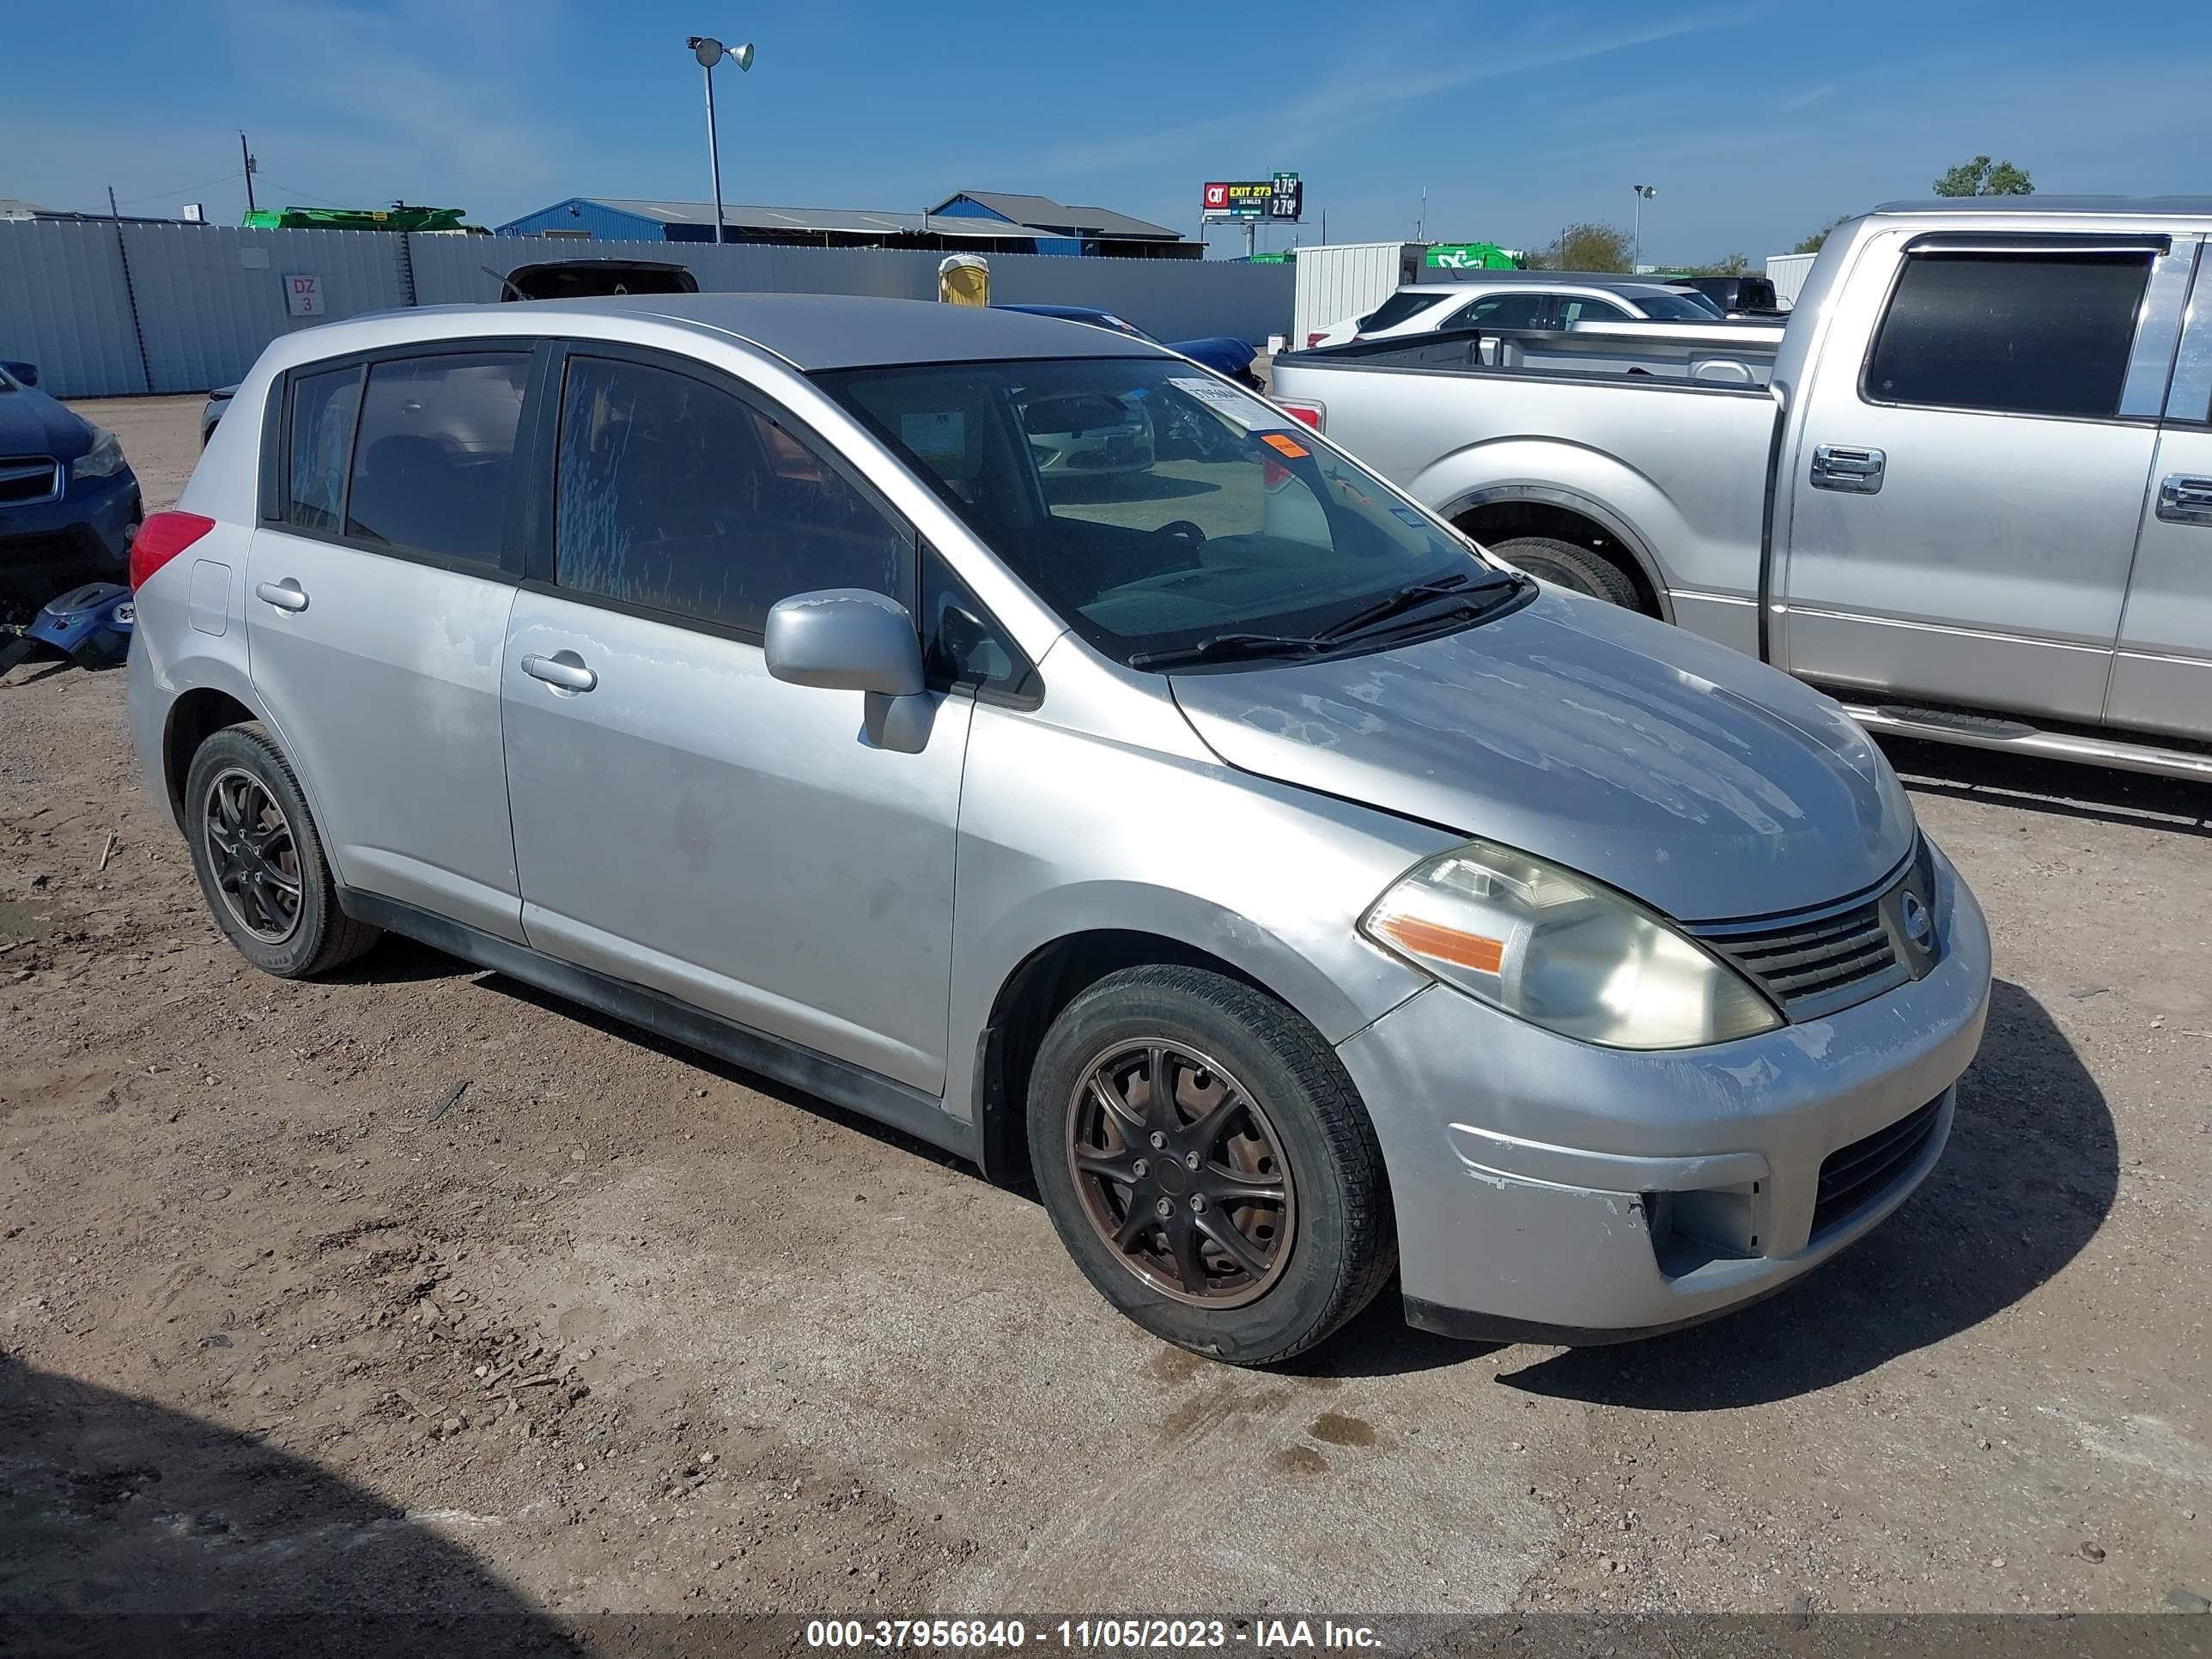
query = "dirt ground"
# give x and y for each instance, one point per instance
(289, 1325)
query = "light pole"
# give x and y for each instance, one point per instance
(710, 51)
(1643, 193)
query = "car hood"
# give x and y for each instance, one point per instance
(32, 424)
(1703, 783)
(1223, 353)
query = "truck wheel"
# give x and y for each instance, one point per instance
(1577, 569)
(1209, 1165)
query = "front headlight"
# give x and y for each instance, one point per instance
(1561, 951)
(103, 460)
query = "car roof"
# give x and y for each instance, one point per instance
(2149, 207)
(1630, 286)
(808, 331)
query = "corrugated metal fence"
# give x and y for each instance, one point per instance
(108, 309)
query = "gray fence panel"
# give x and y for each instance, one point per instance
(210, 304)
(207, 304)
(62, 306)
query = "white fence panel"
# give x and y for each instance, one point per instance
(1788, 271)
(62, 306)
(211, 297)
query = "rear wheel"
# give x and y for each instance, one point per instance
(1577, 569)
(259, 859)
(1208, 1165)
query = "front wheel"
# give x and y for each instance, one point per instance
(1207, 1163)
(1577, 569)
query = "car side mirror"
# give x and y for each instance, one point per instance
(845, 639)
(26, 372)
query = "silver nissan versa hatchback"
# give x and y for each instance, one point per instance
(1221, 843)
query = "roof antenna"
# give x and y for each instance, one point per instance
(507, 282)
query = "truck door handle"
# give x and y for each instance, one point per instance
(1855, 471)
(287, 595)
(2185, 500)
(564, 671)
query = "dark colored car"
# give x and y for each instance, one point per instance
(69, 502)
(1224, 354)
(1737, 296)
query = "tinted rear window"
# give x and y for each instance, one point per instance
(436, 449)
(2032, 334)
(1400, 307)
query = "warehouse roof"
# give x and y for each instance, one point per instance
(1042, 213)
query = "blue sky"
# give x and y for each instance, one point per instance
(1757, 121)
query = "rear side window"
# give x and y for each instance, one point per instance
(673, 494)
(436, 450)
(1580, 310)
(2014, 333)
(1400, 307)
(323, 410)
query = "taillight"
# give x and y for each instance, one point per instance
(1273, 475)
(1316, 338)
(1308, 413)
(161, 538)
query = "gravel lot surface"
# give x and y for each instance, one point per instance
(289, 1324)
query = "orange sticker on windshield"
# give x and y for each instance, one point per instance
(1282, 446)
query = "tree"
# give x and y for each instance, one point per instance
(1587, 246)
(1813, 244)
(1730, 264)
(1983, 177)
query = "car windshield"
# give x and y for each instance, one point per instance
(1166, 515)
(1688, 308)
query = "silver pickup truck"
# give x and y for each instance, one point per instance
(1967, 488)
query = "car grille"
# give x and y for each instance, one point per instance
(1854, 1176)
(1823, 961)
(26, 479)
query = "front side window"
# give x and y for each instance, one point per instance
(435, 454)
(1691, 308)
(2014, 333)
(323, 410)
(675, 495)
(1581, 310)
(1159, 512)
(1503, 311)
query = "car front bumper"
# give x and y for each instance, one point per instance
(1550, 1190)
(82, 536)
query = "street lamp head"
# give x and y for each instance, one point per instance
(1647, 192)
(742, 56)
(706, 48)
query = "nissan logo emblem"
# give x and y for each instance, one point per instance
(1919, 926)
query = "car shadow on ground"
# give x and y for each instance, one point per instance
(2060, 788)
(2031, 1172)
(128, 1528)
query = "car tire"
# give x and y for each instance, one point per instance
(259, 859)
(1262, 1106)
(1576, 569)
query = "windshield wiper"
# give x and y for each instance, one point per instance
(1411, 597)
(1223, 647)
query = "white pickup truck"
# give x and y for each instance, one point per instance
(1967, 488)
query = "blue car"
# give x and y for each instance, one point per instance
(1222, 353)
(69, 502)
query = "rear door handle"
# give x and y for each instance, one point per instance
(2185, 500)
(287, 595)
(564, 671)
(1842, 466)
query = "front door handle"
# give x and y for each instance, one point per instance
(1842, 466)
(563, 671)
(287, 595)
(2185, 500)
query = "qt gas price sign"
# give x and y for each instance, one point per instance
(1280, 198)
